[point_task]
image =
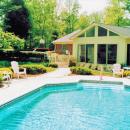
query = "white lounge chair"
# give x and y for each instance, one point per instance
(117, 70)
(16, 69)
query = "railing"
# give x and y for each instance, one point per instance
(60, 59)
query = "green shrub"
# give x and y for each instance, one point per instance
(94, 67)
(126, 73)
(50, 69)
(72, 62)
(88, 65)
(53, 65)
(109, 68)
(81, 70)
(82, 64)
(34, 69)
(1, 78)
(8, 70)
(9, 40)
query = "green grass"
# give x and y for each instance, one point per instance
(4, 64)
(34, 63)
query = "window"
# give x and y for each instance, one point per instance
(112, 34)
(90, 53)
(82, 53)
(107, 54)
(91, 32)
(112, 54)
(82, 35)
(102, 31)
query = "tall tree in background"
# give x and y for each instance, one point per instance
(42, 15)
(16, 19)
(4, 8)
(71, 15)
(83, 21)
(114, 13)
(96, 17)
(39, 19)
(127, 4)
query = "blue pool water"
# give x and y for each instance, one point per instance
(69, 107)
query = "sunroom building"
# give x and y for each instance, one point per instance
(98, 44)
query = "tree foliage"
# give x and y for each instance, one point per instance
(117, 13)
(39, 19)
(4, 7)
(70, 16)
(128, 5)
(9, 40)
(42, 15)
(111, 15)
(16, 19)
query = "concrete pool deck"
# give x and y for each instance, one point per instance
(19, 87)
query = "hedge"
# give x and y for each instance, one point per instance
(81, 70)
(106, 68)
(34, 69)
(53, 65)
(23, 56)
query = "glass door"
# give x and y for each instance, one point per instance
(90, 53)
(112, 54)
(102, 54)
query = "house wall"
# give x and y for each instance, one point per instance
(59, 48)
(120, 41)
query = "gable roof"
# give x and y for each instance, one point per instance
(121, 31)
(67, 38)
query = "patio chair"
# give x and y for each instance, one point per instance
(117, 70)
(16, 69)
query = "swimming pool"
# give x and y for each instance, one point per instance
(78, 106)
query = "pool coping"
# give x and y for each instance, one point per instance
(61, 83)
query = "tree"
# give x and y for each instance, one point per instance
(114, 13)
(96, 17)
(70, 16)
(16, 19)
(43, 18)
(4, 7)
(127, 5)
(83, 21)
(9, 40)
